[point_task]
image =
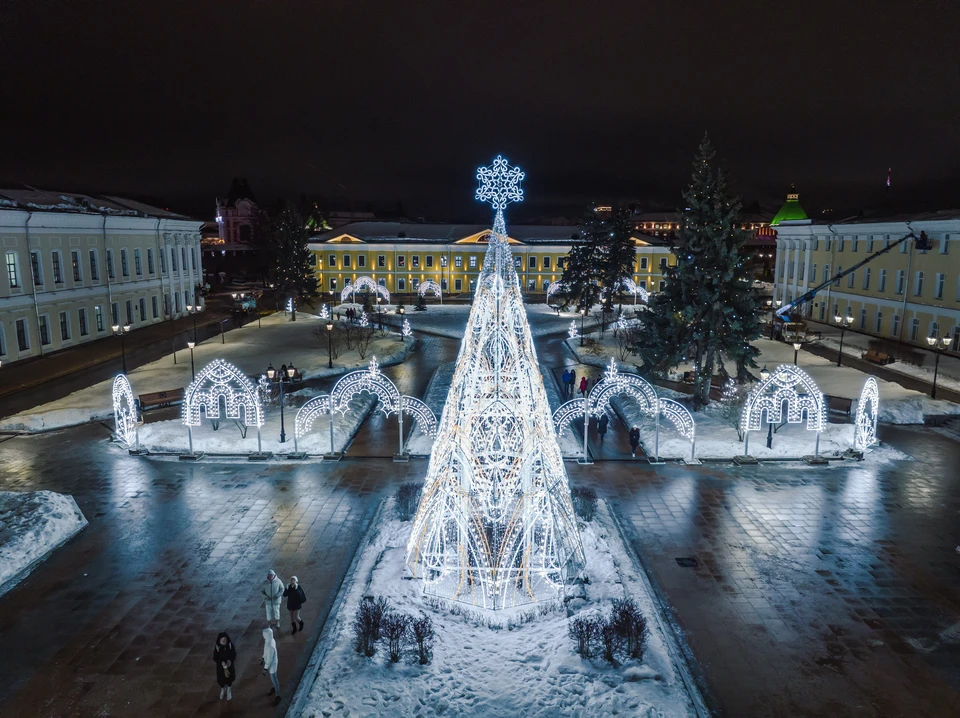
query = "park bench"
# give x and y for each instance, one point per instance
(839, 403)
(160, 398)
(877, 357)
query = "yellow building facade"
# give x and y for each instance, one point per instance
(400, 256)
(906, 294)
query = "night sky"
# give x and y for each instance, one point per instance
(377, 102)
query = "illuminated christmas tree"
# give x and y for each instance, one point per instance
(496, 527)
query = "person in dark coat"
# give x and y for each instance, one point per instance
(573, 382)
(225, 656)
(634, 439)
(565, 380)
(602, 426)
(295, 600)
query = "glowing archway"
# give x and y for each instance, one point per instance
(360, 283)
(221, 380)
(635, 289)
(553, 289)
(430, 286)
(781, 387)
(868, 410)
(125, 413)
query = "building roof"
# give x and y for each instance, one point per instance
(239, 189)
(40, 200)
(791, 210)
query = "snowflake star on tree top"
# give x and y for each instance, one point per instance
(500, 184)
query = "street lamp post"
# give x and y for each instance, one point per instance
(938, 344)
(192, 311)
(796, 349)
(282, 379)
(191, 345)
(330, 346)
(583, 316)
(764, 375)
(379, 316)
(843, 323)
(121, 331)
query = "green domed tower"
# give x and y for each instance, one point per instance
(791, 210)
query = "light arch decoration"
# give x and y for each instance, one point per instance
(553, 288)
(793, 386)
(360, 283)
(430, 285)
(125, 413)
(635, 289)
(307, 414)
(495, 527)
(567, 412)
(222, 380)
(682, 420)
(868, 411)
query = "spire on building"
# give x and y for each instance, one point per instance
(791, 211)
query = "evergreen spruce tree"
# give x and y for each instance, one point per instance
(600, 260)
(708, 308)
(286, 236)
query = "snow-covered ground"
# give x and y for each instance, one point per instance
(516, 663)
(171, 436)
(32, 524)
(418, 443)
(450, 320)
(252, 349)
(897, 404)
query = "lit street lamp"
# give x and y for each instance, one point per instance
(120, 331)
(379, 316)
(764, 375)
(938, 346)
(191, 345)
(796, 349)
(192, 311)
(330, 345)
(843, 323)
(271, 373)
(583, 315)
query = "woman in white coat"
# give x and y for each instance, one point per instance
(272, 595)
(270, 662)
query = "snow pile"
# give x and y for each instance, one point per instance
(250, 348)
(514, 663)
(418, 443)
(31, 526)
(171, 436)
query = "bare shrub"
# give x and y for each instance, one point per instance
(585, 632)
(423, 635)
(584, 502)
(408, 498)
(367, 623)
(631, 624)
(611, 642)
(362, 339)
(395, 628)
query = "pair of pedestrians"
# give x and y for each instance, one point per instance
(569, 380)
(273, 592)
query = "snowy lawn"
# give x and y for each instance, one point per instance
(897, 404)
(33, 524)
(171, 436)
(519, 662)
(252, 349)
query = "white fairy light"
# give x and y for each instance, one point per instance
(768, 398)
(359, 284)
(406, 330)
(621, 322)
(324, 312)
(364, 322)
(124, 411)
(496, 527)
(222, 380)
(572, 331)
(553, 288)
(429, 286)
(635, 289)
(868, 410)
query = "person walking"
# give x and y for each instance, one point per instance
(225, 656)
(270, 663)
(583, 386)
(573, 382)
(634, 439)
(272, 594)
(295, 599)
(565, 380)
(602, 426)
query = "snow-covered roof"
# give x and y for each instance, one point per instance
(412, 232)
(41, 200)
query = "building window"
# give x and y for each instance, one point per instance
(443, 260)
(938, 288)
(473, 262)
(945, 244)
(166, 303)
(115, 313)
(401, 284)
(840, 244)
(193, 259)
(546, 262)
(934, 330)
(110, 272)
(333, 284)
(813, 272)
(531, 285)
(895, 325)
(561, 261)
(863, 318)
(129, 308)
(532, 262)
(643, 264)
(414, 284)
(137, 266)
(415, 261)
(918, 284)
(183, 256)
(866, 278)
(44, 330)
(82, 315)
(57, 268)
(429, 260)
(839, 270)
(458, 262)
(870, 245)
(150, 266)
(458, 285)
(362, 260)
(661, 285)
(64, 327)
(155, 305)
(23, 338)
(75, 264)
(346, 261)
(882, 287)
(173, 259)
(382, 282)
(473, 285)
(517, 261)
(37, 270)
(826, 272)
(143, 308)
(663, 263)
(98, 313)
(401, 261)
(879, 324)
(829, 243)
(176, 302)
(850, 279)
(914, 329)
(124, 269)
(381, 260)
(163, 261)
(900, 280)
(13, 278)
(903, 246)
(856, 241)
(443, 285)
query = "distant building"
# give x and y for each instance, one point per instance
(237, 214)
(76, 265)
(905, 295)
(401, 255)
(230, 249)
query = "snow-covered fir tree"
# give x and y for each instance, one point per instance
(708, 309)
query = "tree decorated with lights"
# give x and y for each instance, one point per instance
(708, 309)
(600, 260)
(496, 527)
(286, 236)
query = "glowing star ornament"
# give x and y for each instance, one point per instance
(495, 527)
